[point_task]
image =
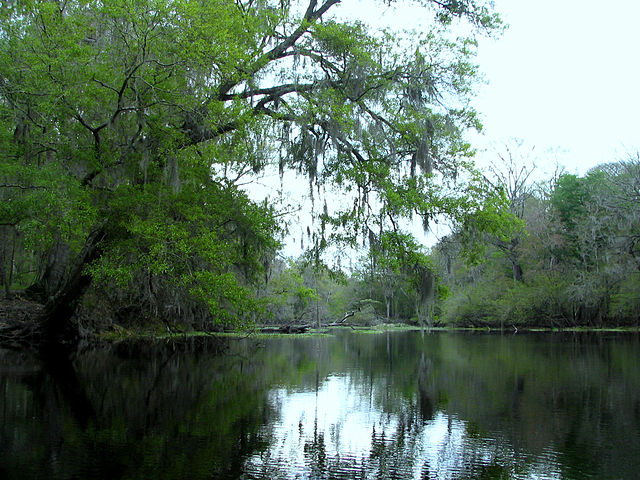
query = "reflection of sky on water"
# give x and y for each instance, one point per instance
(340, 431)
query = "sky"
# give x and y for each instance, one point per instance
(563, 78)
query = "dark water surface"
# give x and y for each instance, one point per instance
(362, 406)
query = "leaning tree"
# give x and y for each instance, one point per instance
(126, 126)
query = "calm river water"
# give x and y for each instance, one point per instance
(350, 406)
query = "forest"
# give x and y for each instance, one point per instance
(572, 260)
(132, 130)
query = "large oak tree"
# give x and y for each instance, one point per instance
(126, 124)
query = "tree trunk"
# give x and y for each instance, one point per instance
(517, 271)
(5, 260)
(52, 277)
(57, 320)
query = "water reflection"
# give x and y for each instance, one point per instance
(338, 432)
(444, 406)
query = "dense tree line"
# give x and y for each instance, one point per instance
(569, 256)
(397, 288)
(575, 262)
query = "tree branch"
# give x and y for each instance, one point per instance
(273, 92)
(279, 51)
(23, 187)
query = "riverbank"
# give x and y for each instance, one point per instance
(18, 310)
(21, 311)
(123, 334)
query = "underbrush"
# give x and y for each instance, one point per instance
(544, 300)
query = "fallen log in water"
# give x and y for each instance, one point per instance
(286, 329)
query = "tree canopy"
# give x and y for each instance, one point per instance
(127, 125)
(579, 257)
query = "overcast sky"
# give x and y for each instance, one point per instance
(564, 77)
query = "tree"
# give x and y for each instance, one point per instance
(501, 225)
(580, 255)
(289, 295)
(622, 200)
(126, 126)
(511, 175)
(401, 267)
(583, 217)
(386, 266)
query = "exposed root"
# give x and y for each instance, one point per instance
(19, 322)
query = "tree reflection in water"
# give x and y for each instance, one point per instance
(336, 432)
(405, 406)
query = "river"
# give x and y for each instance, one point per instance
(397, 405)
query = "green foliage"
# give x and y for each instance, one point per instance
(288, 296)
(44, 205)
(580, 262)
(625, 302)
(400, 276)
(488, 215)
(142, 119)
(573, 200)
(209, 243)
(569, 197)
